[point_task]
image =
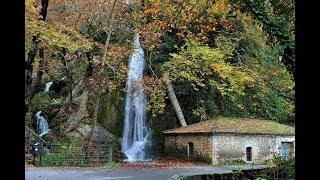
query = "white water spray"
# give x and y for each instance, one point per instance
(42, 124)
(136, 139)
(48, 84)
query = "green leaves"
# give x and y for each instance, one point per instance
(58, 36)
(205, 66)
(278, 19)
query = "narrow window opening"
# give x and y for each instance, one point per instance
(249, 153)
(190, 149)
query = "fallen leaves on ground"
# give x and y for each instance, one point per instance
(162, 162)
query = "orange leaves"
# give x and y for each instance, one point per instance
(210, 28)
(182, 16)
(117, 52)
(162, 24)
(150, 12)
(156, 91)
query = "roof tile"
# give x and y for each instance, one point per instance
(235, 125)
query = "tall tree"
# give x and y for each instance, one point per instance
(175, 102)
(32, 20)
(104, 65)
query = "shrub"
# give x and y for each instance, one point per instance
(279, 168)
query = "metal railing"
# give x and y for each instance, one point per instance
(67, 154)
(76, 155)
(31, 136)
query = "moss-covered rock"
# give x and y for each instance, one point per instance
(111, 112)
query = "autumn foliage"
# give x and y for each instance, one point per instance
(223, 57)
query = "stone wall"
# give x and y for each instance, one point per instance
(232, 147)
(201, 142)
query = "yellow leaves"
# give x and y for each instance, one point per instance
(156, 91)
(58, 35)
(205, 38)
(240, 106)
(53, 34)
(200, 111)
(30, 9)
(290, 107)
(202, 65)
(134, 15)
(184, 16)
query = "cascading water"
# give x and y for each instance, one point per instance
(42, 124)
(136, 139)
(48, 84)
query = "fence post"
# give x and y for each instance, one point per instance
(68, 155)
(82, 155)
(110, 154)
(29, 141)
(98, 154)
(40, 154)
(51, 153)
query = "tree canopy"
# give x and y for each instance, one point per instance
(232, 58)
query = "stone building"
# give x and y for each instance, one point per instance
(234, 139)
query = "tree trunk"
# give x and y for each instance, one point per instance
(40, 72)
(44, 9)
(96, 109)
(174, 102)
(69, 75)
(31, 87)
(89, 70)
(95, 114)
(29, 69)
(67, 72)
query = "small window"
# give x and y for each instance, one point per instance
(249, 153)
(286, 149)
(190, 149)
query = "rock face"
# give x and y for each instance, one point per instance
(76, 123)
(81, 112)
(73, 115)
(111, 112)
(100, 134)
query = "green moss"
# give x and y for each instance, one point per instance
(157, 136)
(77, 71)
(245, 125)
(111, 112)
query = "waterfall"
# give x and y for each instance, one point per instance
(48, 84)
(136, 139)
(42, 125)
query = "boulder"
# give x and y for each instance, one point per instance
(100, 135)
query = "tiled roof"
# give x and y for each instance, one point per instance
(235, 125)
